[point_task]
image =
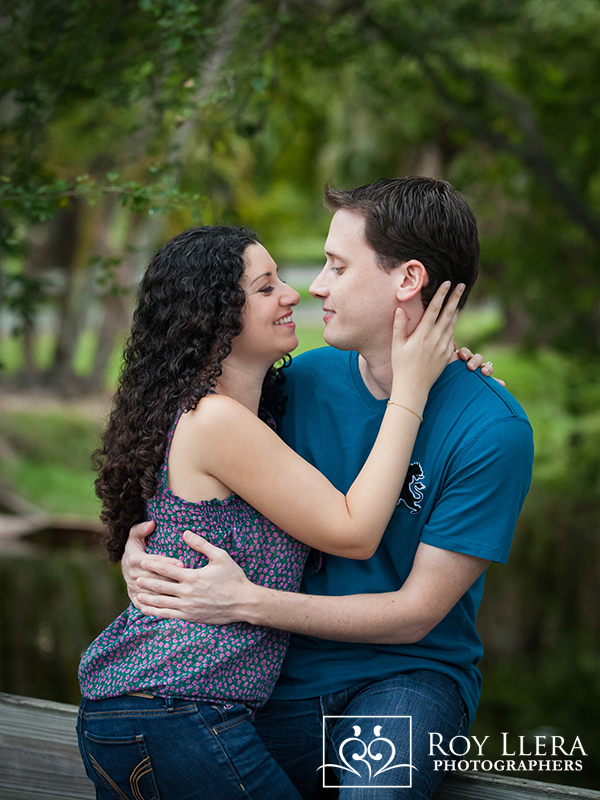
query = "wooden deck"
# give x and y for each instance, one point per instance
(39, 758)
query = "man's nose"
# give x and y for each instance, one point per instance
(318, 287)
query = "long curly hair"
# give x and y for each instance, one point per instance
(189, 310)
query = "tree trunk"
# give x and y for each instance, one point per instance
(117, 307)
(92, 229)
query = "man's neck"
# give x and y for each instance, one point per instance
(377, 376)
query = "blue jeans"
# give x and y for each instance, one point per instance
(137, 748)
(382, 750)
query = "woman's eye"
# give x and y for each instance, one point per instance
(266, 289)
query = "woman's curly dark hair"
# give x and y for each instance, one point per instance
(189, 310)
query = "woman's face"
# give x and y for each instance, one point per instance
(269, 330)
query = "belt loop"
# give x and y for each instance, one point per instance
(169, 704)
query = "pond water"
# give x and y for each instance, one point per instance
(53, 603)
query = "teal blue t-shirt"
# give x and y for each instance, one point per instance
(469, 475)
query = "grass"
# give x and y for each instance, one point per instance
(309, 338)
(46, 459)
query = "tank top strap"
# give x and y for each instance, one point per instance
(162, 475)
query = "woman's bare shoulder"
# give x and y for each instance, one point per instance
(217, 411)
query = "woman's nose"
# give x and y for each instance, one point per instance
(290, 297)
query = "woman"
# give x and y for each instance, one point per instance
(167, 705)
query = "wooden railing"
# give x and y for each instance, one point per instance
(39, 758)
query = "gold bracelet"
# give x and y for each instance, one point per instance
(406, 408)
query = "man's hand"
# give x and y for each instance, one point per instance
(208, 594)
(134, 554)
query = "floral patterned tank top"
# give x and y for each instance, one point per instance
(238, 662)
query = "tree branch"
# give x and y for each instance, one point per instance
(531, 152)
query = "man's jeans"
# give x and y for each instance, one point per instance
(384, 747)
(136, 748)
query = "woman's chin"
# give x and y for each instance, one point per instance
(292, 344)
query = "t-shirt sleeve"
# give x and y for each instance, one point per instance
(484, 492)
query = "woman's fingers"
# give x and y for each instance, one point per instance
(432, 311)
(451, 307)
(443, 318)
(475, 361)
(399, 326)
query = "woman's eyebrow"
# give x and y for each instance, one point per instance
(264, 275)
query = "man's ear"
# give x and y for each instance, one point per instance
(411, 278)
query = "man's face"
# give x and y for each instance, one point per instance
(359, 298)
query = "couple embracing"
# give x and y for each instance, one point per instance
(353, 499)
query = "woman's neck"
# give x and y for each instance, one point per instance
(242, 384)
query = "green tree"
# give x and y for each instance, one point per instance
(96, 104)
(508, 95)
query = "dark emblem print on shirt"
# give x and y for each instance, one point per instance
(412, 491)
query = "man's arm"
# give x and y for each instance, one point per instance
(220, 593)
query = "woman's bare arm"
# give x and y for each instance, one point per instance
(227, 441)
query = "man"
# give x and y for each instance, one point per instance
(382, 663)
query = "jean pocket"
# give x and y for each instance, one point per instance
(231, 714)
(121, 765)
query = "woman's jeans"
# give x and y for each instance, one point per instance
(142, 748)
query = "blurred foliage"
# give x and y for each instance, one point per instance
(540, 618)
(240, 112)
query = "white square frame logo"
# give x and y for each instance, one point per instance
(367, 756)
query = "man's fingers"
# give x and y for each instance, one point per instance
(164, 613)
(158, 586)
(200, 545)
(160, 601)
(162, 565)
(135, 600)
(141, 531)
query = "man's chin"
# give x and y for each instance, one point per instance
(338, 342)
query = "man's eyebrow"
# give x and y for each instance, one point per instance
(332, 255)
(264, 275)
